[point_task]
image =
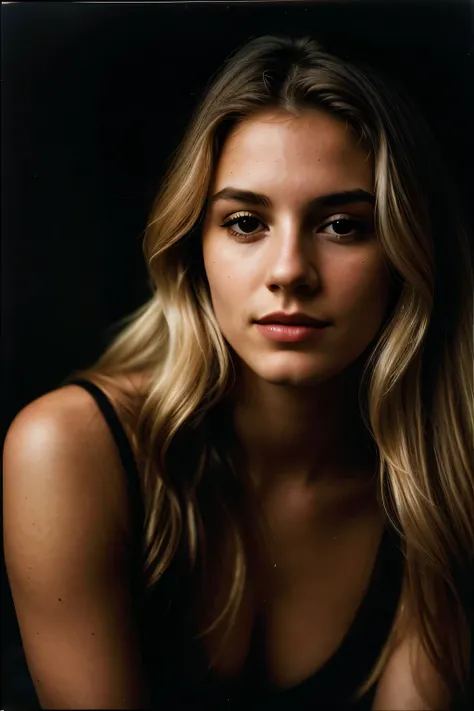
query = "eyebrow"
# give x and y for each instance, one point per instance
(330, 200)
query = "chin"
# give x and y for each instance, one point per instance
(299, 369)
(297, 374)
(297, 380)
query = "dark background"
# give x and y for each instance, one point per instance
(95, 98)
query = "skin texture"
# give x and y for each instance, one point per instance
(67, 515)
(296, 402)
(67, 526)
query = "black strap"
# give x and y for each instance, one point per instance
(123, 445)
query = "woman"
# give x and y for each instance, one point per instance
(268, 497)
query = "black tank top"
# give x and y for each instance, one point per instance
(176, 674)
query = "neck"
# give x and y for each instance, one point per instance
(301, 435)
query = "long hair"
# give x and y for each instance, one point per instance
(416, 392)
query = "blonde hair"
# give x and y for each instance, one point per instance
(417, 387)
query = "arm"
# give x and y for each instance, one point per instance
(409, 682)
(65, 535)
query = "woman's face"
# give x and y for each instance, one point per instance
(300, 246)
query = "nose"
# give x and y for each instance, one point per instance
(292, 266)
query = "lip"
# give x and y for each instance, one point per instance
(289, 333)
(291, 319)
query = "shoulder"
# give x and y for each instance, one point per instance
(57, 423)
(55, 412)
(409, 680)
(65, 422)
(59, 448)
(67, 554)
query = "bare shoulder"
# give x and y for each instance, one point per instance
(56, 413)
(66, 527)
(60, 445)
(409, 681)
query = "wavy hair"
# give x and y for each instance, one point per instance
(416, 393)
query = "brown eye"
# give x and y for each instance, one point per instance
(247, 225)
(342, 227)
(346, 228)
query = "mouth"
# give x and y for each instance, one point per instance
(290, 332)
(280, 318)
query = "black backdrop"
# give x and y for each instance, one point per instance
(95, 98)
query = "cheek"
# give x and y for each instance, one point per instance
(359, 286)
(225, 285)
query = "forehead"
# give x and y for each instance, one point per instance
(280, 149)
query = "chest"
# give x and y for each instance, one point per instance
(314, 574)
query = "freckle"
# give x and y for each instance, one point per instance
(93, 634)
(59, 599)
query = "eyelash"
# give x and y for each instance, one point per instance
(362, 228)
